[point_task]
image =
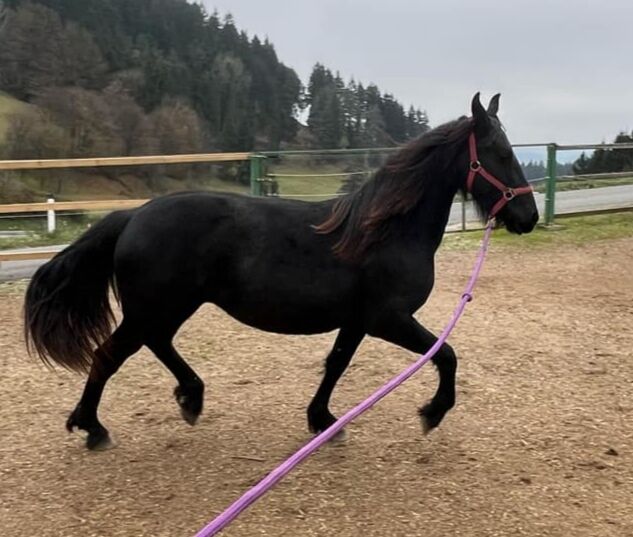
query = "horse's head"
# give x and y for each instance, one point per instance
(495, 178)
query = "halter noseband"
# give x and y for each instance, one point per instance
(476, 168)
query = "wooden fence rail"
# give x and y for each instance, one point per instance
(27, 256)
(122, 161)
(100, 205)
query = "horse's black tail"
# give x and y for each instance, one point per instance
(67, 311)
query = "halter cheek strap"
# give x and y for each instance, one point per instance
(477, 169)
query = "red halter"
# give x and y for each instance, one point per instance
(477, 169)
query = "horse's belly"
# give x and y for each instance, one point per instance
(272, 316)
(308, 309)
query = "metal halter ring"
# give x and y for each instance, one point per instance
(509, 194)
(475, 165)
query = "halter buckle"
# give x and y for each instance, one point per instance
(475, 166)
(509, 194)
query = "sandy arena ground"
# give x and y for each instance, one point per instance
(540, 442)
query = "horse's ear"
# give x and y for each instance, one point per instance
(493, 107)
(480, 116)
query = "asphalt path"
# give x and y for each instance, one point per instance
(571, 201)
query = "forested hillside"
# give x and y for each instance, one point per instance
(129, 77)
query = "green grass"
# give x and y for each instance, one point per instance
(8, 105)
(309, 187)
(593, 183)
(334, 171)
(568, 231)
(582, 184)
(15, 288)
(68, 229)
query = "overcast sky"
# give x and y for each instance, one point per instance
(564, 68)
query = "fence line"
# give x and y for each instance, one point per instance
(579, 147)
(122, 161)
(258, 176)
(98, 162)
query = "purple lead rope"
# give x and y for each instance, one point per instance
(252, 495)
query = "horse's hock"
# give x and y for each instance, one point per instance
(540, 442)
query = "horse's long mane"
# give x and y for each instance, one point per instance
(364, 216)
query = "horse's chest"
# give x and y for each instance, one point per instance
(417, 293)
(406, 285)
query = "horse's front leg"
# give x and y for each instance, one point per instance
(319, 415)
(406, 332)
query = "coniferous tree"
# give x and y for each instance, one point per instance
(607, 160)
(367, 118)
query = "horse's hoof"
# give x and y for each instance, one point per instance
(190, 405)
(188, 416)
(426, 426)
(429, 418)
(340, 437)
(74, 421)
(71, 423)
(100, 442)
(324, 424)
(98, 437)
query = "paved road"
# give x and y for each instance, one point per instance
(566, 202)
(15, 270)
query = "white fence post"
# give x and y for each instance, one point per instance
(50, 216)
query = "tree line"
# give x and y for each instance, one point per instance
(537, 169)
(612, 160)
(607, 160)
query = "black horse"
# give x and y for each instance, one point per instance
(363, 264)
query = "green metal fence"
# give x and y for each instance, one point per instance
(265, 182)
(552, 181)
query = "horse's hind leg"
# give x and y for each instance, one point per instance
(163, 312)
(190, 390)
(405, 331)
(123, 342)
(319, 415)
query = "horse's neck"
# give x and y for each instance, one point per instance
(433, 211)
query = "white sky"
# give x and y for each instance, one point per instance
(564, 68)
